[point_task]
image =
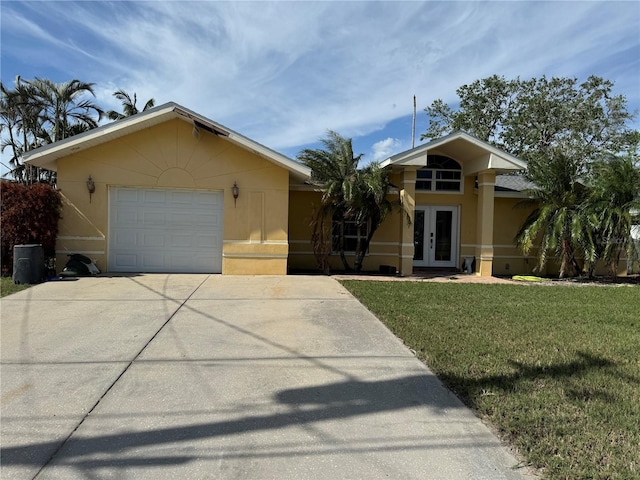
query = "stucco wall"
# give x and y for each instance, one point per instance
(168, 155)
(383, 248)
(509, 216)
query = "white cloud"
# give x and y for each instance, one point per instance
(385, 148)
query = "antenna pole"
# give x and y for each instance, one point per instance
(413, 126)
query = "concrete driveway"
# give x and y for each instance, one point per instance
(198, 376)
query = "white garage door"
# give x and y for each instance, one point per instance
(160, 230)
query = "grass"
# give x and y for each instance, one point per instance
(7, 287)
(556, 370)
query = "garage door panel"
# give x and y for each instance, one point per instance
(126, 260)
(180, 219)
(152, 240)
(126, 217)
(206, 219)
(181, 198)
(182, 241)
(159, 230)
(153, 219)
(203, 241)
(124, 238)
(153, 197)
(127, 195)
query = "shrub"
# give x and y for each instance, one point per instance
(29, 214)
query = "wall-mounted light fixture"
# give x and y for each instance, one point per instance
(91, 187)
(235, 191)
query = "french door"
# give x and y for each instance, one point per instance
(435, 236)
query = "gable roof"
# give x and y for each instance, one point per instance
(477, 154)
(48, 155)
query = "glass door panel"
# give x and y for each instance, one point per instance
(418, 236)
(435, 236)
(443, 236)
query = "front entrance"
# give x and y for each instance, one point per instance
(435, 236)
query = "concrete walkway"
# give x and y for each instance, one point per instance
(197, 376)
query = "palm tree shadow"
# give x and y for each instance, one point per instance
(308, 405)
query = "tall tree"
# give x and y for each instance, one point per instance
(334, 169)
(561, 128)
(37, 112)
(350, 195)
(614, 206)
(557, 220)
(129, 106)
(64, 107)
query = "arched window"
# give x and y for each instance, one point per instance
(442, 174)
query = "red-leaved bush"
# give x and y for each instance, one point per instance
(29, 214)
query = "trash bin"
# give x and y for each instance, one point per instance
(28, 264)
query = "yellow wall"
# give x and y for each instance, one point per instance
(384, 245)
(507, 258)
(168, 155)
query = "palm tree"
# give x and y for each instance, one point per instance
(334, 169)
(63, 107)
(20, 118)
(614, 206)
(37, 112)
(369, 206)
(129, 107)
(353, 196)
(558, 222)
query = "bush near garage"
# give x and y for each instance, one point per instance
(29, 214)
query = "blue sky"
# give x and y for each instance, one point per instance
(282, 73)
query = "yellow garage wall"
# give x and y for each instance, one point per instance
(168, 155)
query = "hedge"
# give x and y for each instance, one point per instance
(29, 214)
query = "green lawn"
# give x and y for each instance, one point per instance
(7, 287)
(555, 369)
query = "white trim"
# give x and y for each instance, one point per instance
(254, 255)
(439, 192)
(514, 256)
(514, 194)
(75, 237)
(487, 184)
(408, 182)
(407, 256)
(83, 252)
(418, 155)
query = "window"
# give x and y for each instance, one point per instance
(442, 174)
(351, 235)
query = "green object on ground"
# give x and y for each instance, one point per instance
(528, 278)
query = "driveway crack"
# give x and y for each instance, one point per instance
(126, 368)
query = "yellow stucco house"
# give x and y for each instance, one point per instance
(169, 190)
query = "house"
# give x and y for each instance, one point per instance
(461, 203)
(169, 190)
